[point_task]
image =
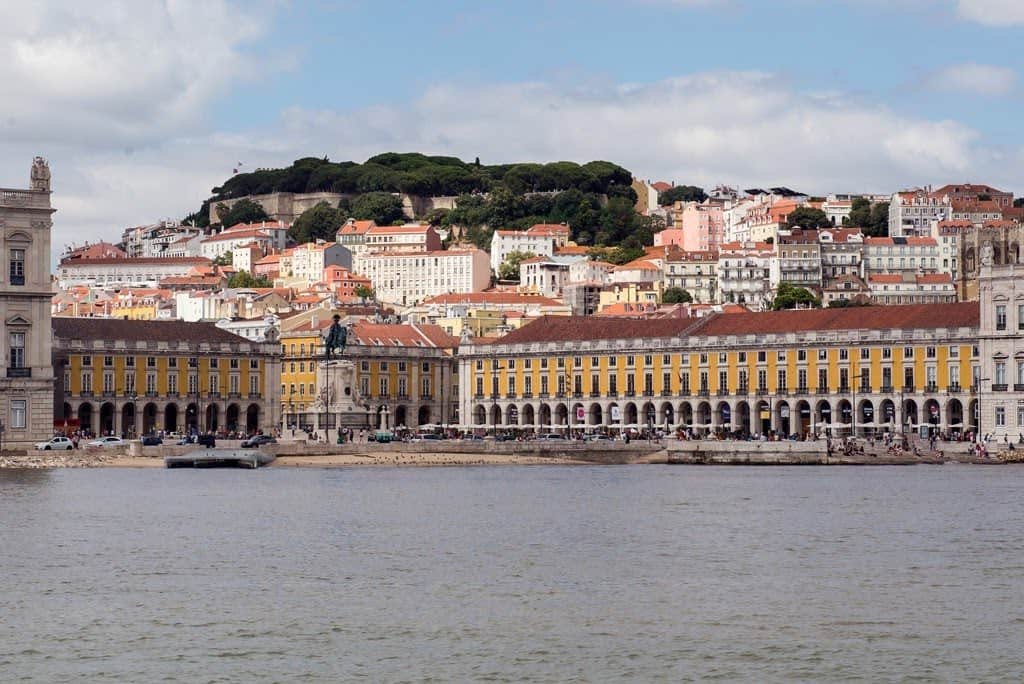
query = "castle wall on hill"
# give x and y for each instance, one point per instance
(288, 206)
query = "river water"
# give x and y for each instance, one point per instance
(543, 574)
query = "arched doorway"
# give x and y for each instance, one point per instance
(400, 416)
(512, 416)
(561, 415)
(702, 421)
(803, 418)
(686, 415)
(529, 420)
(596, 415)
(824, 410)
(887, 414)
(544, 417)
(764, 417)
(630, 419)
(231, 417)
(668, 416)
(972, 411)
(128, 419)
(479, 415)
(845, 410)
(148, 418)
(106, 418)
(423, 416)
(171, 418)
(212, 418)
(865, 417)
(741, 423)
(495, 415)
(910, 421)
(192, 418)
(783, 419)
(85, 418)
(724, 413)
(932, 416)
(955, 416)
(252, 418)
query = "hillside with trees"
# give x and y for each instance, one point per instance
(595, 198)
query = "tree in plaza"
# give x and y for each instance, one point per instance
(675, 295)
(242, 211)
(807, 217)
(681, 193)
(364, 292)
(509, 268)
(382, 208)
(790, 296)
(319, 222)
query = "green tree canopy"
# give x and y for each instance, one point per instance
(807, 217)
(364, 292)
(879, 223)
(245, 279)
(681, 193)
(242, 211)
(383, 208)
(675, 295)
(790, 296)
(509, 268)
(319, 222)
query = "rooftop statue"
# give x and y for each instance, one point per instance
(40, 176)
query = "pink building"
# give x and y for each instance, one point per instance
(702, 228)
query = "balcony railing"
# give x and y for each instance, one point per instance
(908, 389)
(822, 390)
(887, 389)
(1018, 388)
(931, 387)
(703, 393)
(666, 393)
(723, 391)
(630, 393)
(999, 388)
(594, 394)
(426, 396)
(648, 393)
(20, 373)
(742, 391)
(955, 387)
(803, 389)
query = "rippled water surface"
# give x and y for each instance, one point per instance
(643, 573)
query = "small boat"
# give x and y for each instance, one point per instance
(220, 458)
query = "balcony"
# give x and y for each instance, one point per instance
(803, 389)
(21, 372)
(209, 395)
(17, 280)
(931, 387)
(107, 393)
(234, 395)
(543, 395)
(1018, 388)
(887, 389)
(577, 395)
(864, 389)
(148, 394)
(974, 389)
(527, 395)
(955, 387)
(426, 396)
(478, 395)
(822, 390)
(494, 395)
(630, 393)
(908, 389)
(703, 393)
(999, 388)
(594, 394)
(559, 395)
(648, 393)
(723, 391)
(782, 390)
(402, 397)
(742, 391)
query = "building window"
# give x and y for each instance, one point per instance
(865, 353)
(233, 383)
(150, 362)
(214, 363)
(762, 357)
(214, 383)
(954, 352)
(886, 352)
(1020, 415)
(929, 352)
(108, 361)
(151, 383)
(108, 383)
(801, 354)
(233, 364)
(193, 362)
(1000, 317)
(86, 360)
(193, 383)
(1000, 378)
(172, 383)
(543, 364)
(723, 357)
(613, 361)
(19, 409)
(908, 352)
(1000, 416)
(383, 387)
(129, 383)
(86, 382)
(254, 364)
(129, 361)
(17, 344)
(17, 267)
(781, 380)
(254, 384)
(1020, 317)
(741, 357)
(172, 362)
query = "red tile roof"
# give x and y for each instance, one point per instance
(585, 328)
(482, 298)
(927, 316)
(149, 261)
(90, 329)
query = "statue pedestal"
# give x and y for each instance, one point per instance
(338, 397)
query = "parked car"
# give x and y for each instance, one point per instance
(425, 437)
(152, 440)
(106, 442)
(209, 441)
(257, 441)
(597, 438)
(551, 437)
(55, 444)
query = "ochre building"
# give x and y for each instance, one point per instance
(138, 377)
(826, 371)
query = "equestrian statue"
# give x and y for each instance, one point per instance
(337, 337)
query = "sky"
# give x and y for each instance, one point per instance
(142, 107)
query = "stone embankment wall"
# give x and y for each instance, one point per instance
(595, 452)
(783, 453)
(77, 458)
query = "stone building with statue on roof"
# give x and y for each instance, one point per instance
(26, 373)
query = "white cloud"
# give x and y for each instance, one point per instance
(992, 12)
(747, 128)
(973, 78)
